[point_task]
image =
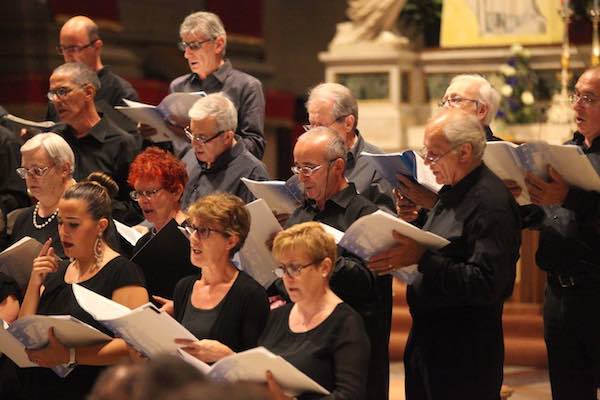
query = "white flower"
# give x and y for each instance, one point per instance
(506, 90)
(526, 53)
(516, 48)
(507, 70)
(527, 98)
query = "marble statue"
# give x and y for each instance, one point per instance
(370, 21)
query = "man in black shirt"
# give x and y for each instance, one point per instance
(203, 42)
(319, 162)
(334, 106)
(476, 96)
(455, 347)
(569, 222)
(218, 158)
(80, 42)
(98, 145)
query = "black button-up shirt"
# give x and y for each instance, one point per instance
(13, 192)
(570, 233)
(243, 90)
(224, 175)
(481, 220)
(105, 148)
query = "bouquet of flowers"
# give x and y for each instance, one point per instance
(517, 88)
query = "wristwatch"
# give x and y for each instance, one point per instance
(72, 362)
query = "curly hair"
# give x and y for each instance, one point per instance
(155, 163)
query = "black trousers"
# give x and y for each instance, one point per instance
(451, 356)
(572, 334)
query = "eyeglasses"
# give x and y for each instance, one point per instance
(202, 231)
(73, 49)
(433, 159)
(308, 170)
(308, 127)
(201, 139)
(197, 45)
(291, 270)
(456, 101)
(60, 93)
(34, 171)
(585, 99)
(137, 195)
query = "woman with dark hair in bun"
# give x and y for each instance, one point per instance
(83, 218)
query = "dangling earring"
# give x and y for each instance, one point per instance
(98, 250)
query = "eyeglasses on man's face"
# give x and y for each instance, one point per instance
(456, 101)
(137, 195)
(202, 231)
(308, 170)
(74, 48)
(291, 270)
(584, 99)
(308, 127)
(201, 139)
(195, 45)
(432, 157)
(34, 171)
(61, 92)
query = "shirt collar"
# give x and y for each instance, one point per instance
(579, 140)
(341, 199)
(225, 158)
(355, 150)
(220, 74)
(97, 131)
(451, 195)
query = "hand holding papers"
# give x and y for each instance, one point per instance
(373, 233)
(31, 332)
(252, 366)
(511, 162)
(149, 330)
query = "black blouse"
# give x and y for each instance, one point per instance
(58, 299)
(335, 354)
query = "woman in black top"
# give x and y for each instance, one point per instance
(223, 307)
(84, 212)
(47, 165)
(319, 334)
(159, 179)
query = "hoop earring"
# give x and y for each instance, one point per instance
(98, 251)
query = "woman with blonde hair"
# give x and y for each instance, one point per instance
(318, 333)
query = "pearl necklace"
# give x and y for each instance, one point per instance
(43, 224)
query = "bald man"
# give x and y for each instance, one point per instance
(80, 42)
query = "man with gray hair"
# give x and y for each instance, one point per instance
(476, 96)
(218, 158)
(203, 42)
(334, 106)
(98, 144)
(455, 344)
(319, 162)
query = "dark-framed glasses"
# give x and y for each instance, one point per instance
(202, 231)
(434, 158)
(456, 101)
(73, 49)
(33, 171)
(61, 92)
(585, 99)
(195, 45)
(291, 270)
(148, 194)
(201, 139)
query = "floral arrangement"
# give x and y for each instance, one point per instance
(517, 87)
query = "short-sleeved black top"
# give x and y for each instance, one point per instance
(58, 299)
(335, 354)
